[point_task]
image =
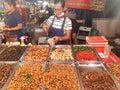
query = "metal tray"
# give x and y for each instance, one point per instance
(96, 53)
(21, 58)
(2, 48)
(117, 65)
(36, 60)
(11, 54)
(27, 71)
(58, 67)
(10, 73)
(60, 54)
(93, 68)
(89, 63)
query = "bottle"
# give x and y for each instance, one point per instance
(22, 41)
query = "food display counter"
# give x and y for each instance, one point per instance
(66, 67)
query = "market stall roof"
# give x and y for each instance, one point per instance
(96, 5)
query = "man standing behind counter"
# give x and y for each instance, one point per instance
(58, 26)
(13, 20)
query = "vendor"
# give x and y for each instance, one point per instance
(13, 20)
(58, 26)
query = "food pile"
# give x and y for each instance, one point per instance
(61, 77)
(27, 77)
(5, 71)
(84, 53)
(36, 53)
(115, 69)
(12, 53)
(97, 80)
(32, 76)
(62, 54)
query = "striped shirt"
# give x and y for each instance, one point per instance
(59, 21)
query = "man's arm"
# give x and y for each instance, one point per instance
(63, 38)
(46, 27)
(18, 27)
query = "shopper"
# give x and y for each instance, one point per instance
(13, 20)
(58, 26)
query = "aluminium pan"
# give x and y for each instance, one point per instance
(98, 71)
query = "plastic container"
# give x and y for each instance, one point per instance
(107, 50)
(97, 42)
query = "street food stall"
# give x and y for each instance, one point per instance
(62, 67)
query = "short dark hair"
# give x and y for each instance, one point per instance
(11, 2)
(60, 1)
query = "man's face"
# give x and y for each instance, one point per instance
(58, 9)
(8, 7)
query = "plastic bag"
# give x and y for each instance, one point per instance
(51, 42)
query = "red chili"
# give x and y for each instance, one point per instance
(86, 55)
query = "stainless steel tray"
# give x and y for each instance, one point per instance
(2, 48)
(89, 63)
(10, 73)
(30, 72)
(9, 54)
(36, 53)
(21, 58)
(92, 69)
(116, 68)
(57, 69)
(61, 53)
(98, 58)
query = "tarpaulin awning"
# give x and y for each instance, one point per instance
(96, 5)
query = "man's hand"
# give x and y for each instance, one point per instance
(6, 29)
(46, 28)
(56, 39)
